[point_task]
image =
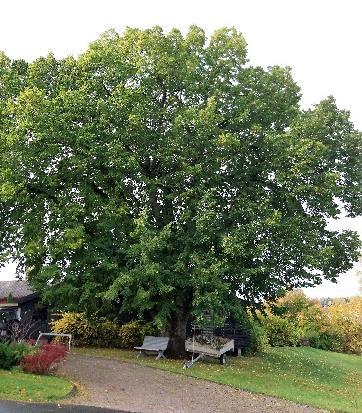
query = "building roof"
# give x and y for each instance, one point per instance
(18, 289)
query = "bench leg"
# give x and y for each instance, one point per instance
(140, 353)
(160, 355)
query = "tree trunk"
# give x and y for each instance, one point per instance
(177, 330)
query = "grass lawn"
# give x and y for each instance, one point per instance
(15, 385)
(309, 376)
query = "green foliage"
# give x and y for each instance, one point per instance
(159, 174)
(10, 298)
(107, 334)
(102, 332)
(293, 304)
(344, 323)
(326, 340)
(304, 314)
(281, 331)
(259, 336)
(291, 319)
(294, 317)
(12, 353)
(133, 333)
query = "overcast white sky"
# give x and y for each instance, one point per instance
(320, 40)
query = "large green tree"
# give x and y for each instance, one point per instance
(161, 175)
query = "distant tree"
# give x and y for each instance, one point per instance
(359, 274)
(161, 175)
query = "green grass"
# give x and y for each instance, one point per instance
(15, 385)
(308, 376)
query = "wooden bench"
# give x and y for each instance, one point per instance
(154, 345)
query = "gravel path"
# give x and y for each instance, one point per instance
(118, 385)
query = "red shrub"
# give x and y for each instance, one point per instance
(45, 359)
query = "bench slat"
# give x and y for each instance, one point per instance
(151, 343)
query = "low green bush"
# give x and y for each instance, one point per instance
(132, 333)
(12, 353)
(281, 331)
(259, 340)
(326, 340)
(107, 334)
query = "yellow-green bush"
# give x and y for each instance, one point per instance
(82, 331)
(345, 319)
(294, 318)
(102, 332)
(132, 334)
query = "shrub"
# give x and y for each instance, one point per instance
(326, 340)
(46, 358)
(132, 333)
(77, 325)
(259, 337)
(101, 333)
(305, 314)
(11, 354)
(295, 317)
(281, 331)
(345, 322)
(107, 334)
(294, 303)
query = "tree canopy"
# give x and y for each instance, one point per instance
(161, 174)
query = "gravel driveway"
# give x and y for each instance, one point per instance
(118, 385)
